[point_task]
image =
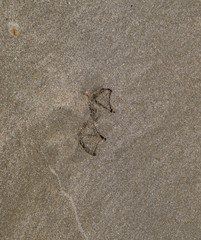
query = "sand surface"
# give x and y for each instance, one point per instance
(145, 181)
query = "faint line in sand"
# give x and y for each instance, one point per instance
(72, 203)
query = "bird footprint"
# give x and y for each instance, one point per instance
(89, 137)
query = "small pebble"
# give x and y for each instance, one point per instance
(13, 28)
